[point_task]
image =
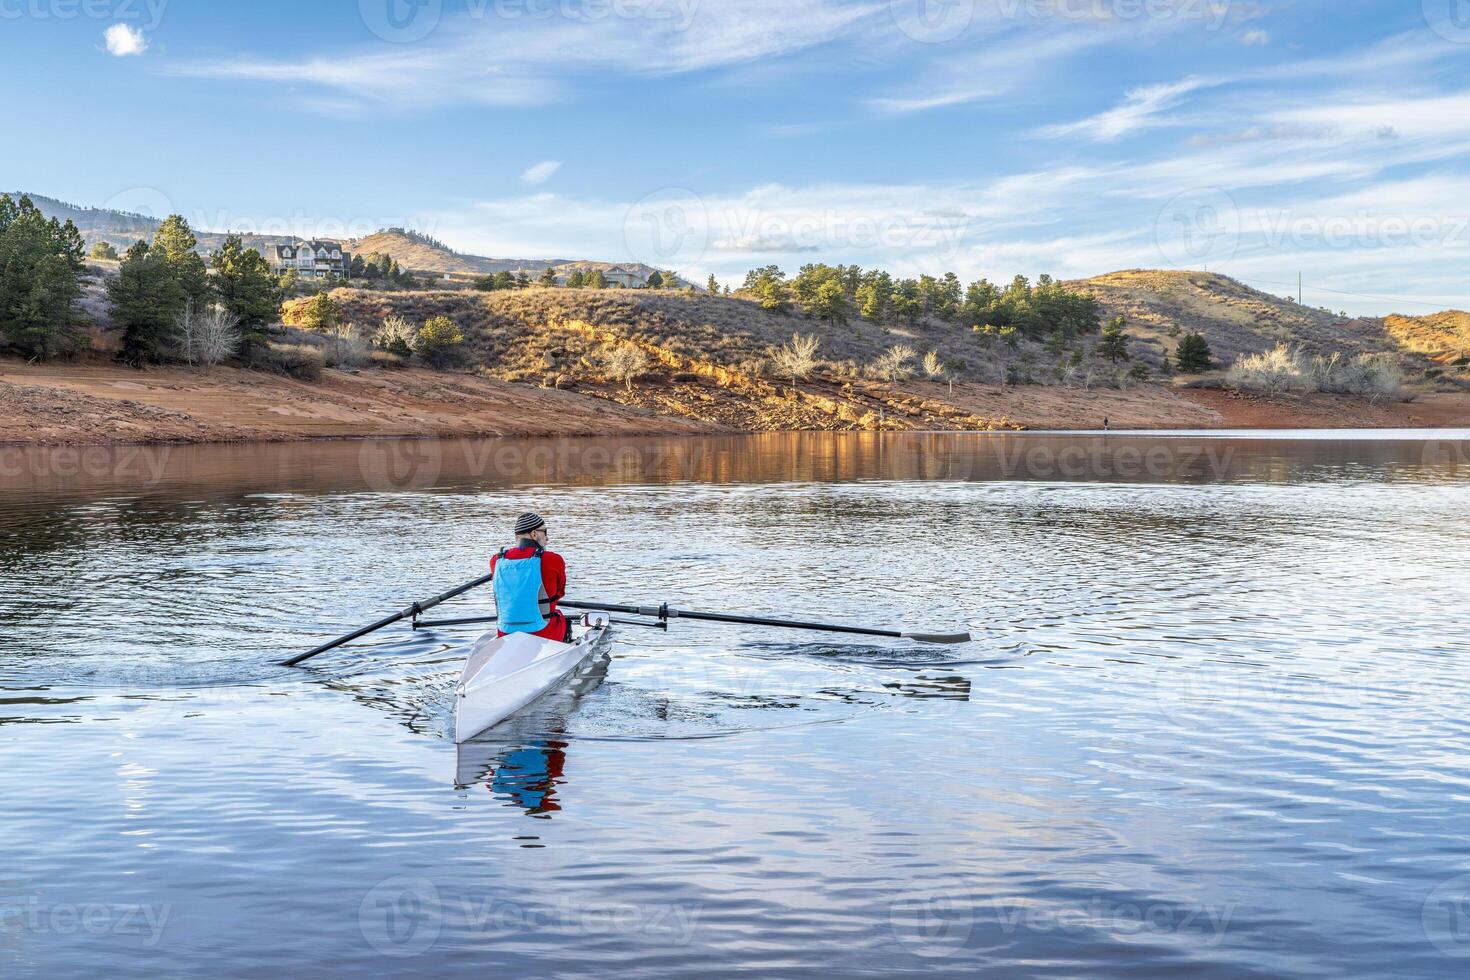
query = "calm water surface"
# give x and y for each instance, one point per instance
(1214, 721)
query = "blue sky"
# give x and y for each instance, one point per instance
(1260, 138)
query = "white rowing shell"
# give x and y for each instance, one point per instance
(506, 673)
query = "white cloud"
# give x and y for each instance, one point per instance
(1139, 110)
(490, 58)
(1255, 38)
(124, 40)
(540, 173)
(1000, 66)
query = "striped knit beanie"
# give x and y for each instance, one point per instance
(527, 523)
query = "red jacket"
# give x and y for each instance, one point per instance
(553, 586)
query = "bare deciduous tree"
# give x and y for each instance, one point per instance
(624, 363)
(893, 364)
(347, 346)
(208, 335)
(397, 335)
(798, 359)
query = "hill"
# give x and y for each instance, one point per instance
(1236, 319)
(1442, 337)
(413, 250)
(122, 228)
(419, 253)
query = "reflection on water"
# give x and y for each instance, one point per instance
(1212, 722)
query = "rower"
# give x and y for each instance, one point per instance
(529, 581)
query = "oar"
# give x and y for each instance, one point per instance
(412, 610)
(666, 611)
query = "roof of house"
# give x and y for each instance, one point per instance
(287, 251)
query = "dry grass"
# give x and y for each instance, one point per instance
(1161, 306)
(520, 333)
(1442, 337)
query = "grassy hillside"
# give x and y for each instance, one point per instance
(1442, 337)
(1233, 317)
(708, 358)
(510, 331)
(413, 252)
(418, 254)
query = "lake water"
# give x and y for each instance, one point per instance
(1214, 719)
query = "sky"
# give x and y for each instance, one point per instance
(1264, 139)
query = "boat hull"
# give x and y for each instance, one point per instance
(506, 673)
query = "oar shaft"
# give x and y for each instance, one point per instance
(671, 613)
(412, 610)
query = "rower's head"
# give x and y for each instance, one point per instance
(531, 527)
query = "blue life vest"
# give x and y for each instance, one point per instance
(518, 594)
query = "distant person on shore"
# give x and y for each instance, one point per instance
(529, 582)
(1106, 424)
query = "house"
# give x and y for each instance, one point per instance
(627, 278)
(315, 259)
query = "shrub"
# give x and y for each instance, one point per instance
(397, 335)
(347, 347)
(892, 364)
(319, 313)
(1283, 368)
(933, 366)
(439, 341)
(297, 360)
(624, 363)
(1275, 371)
(797, 359)
(385, 359)
(207, 335)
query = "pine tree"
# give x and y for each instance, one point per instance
(575, 280)
(146, 302)
(175, 244)
(655, 280)
(548, 278)
(1114, 343)
(321, 313)
(1193, 354)
(247, 290)
(713, 286)
(595, 280)
(41, 262)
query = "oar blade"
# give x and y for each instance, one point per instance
(939, 637)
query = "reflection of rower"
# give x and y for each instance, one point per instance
(528, 776)
(527, 762)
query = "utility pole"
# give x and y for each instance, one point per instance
(1298, 289)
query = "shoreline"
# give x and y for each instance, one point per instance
(97, 403)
